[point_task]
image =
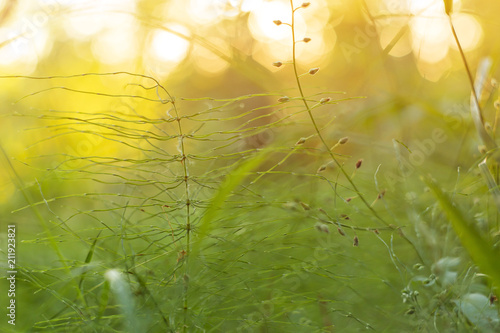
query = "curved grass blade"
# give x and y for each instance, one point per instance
(479, 248)
(230, 183)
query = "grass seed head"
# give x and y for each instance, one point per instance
(305, 206)
(278, 22)
(322, 228)
(343, 140)
(358, 163)
(341, 231)
(283, 99)
(355, 241)
(306, 40)
(305, 4)
(313, 71)
(277, 64)
(301, 141)
(325, 100)
(321, 168)
(488, 127)
(497, 104)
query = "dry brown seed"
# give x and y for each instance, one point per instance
(313, 71)
(305, 4)
(493, 298)
(348, 200)
(283, 99)
(278, 22)
(306, 40)
(358, 163)
(325, 100)
(277, 64)
(322, 168)
(341, 231)
(355, 241)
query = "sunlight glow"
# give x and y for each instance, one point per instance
(115, 46)
(262, 26)
(469, 31)
(167, 46)
(207, 61)
(430, 37)
(87, 18)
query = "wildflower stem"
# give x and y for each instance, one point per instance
(315, 125)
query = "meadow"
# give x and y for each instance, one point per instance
(249, 166)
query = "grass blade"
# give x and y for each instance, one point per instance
(225, 190)
(479, 248)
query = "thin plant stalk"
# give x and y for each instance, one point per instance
(315, 125)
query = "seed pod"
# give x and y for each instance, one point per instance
(343, 140)
(325, 100)
(301, 141)
(313, 71)
(305, 206)
(410, 311)
(355, 241)
(278, 22)
(358, 163)
(277, 64)
(348, 200)
(306, 40)
(305, 4)
(341, 231)
(322, 228)
(283, 99)
(321, 168)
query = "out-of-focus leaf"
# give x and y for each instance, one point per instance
(477, 117)
(479, 248)
(231, 182)
(476, 307)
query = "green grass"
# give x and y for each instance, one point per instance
(142, 211)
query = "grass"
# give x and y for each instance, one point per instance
(142, 211)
